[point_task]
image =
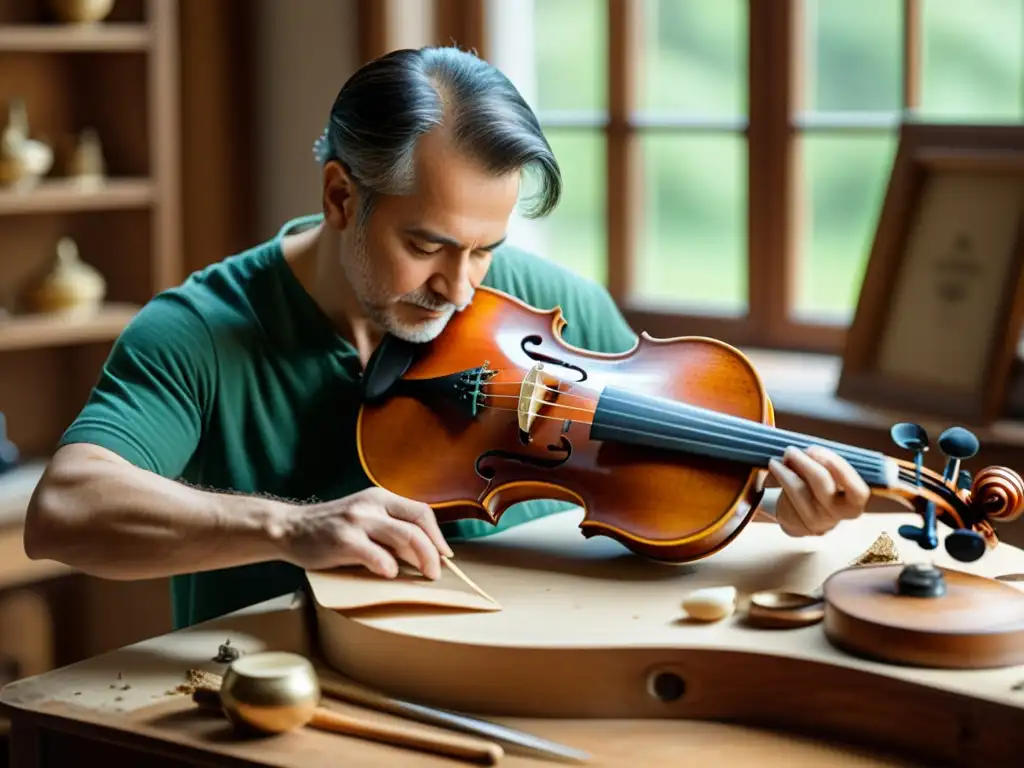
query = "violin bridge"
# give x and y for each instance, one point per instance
(531, 398)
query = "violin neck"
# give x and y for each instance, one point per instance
(649, 421)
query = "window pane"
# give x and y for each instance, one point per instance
(695, 57)
(854, 55)
(844, 183)
(972, 68)
(574, 233)
(555, 51)
(692, 250)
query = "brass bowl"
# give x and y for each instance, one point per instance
(785, 610)
(271, 692)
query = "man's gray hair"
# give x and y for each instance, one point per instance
(390, 102)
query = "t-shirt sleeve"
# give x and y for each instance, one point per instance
(593, 320)
(601, 327)
(154, 391)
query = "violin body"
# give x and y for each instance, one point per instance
(664, 446)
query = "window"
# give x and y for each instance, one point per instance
(725, 160)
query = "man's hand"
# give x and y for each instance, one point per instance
(370, 528)
(819, 489)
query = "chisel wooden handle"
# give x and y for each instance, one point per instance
(447, 744)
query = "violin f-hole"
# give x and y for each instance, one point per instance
(488, 473)
(540, 357)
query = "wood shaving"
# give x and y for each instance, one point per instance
(197, 678)
(882, 551)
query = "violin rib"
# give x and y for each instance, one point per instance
(664, 446)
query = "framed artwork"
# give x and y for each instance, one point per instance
(940, 309)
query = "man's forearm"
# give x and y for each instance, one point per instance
(114, 520)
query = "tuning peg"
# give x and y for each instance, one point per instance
(965, 545)
(909, 437)
(925, 536)
(958, 444)
(964, 480)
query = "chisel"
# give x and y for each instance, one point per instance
(332, 685)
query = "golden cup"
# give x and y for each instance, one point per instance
(271, 692)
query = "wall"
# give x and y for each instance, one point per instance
(304, 52)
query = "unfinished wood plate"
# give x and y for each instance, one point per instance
(588, 630)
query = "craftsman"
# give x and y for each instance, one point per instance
(218, 445)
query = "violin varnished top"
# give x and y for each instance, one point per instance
(666, 446)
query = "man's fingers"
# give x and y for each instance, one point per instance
(799, 498)
(408, 542)
(820, 481)
(420, 514)
(361, 549)
(855, 489)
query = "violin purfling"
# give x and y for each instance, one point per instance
(665, 446)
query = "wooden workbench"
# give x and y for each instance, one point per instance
(121, 708)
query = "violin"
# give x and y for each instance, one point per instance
(665, 446)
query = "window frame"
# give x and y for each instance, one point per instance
(775, 61)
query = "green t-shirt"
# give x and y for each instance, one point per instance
(235, 381)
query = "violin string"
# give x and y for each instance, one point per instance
(774, 444)
(543, 387)
(724, 425)
(773, 437)
(771, 440)
(863, 464)
(905, 474)
(860, 459)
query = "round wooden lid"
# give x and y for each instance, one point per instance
(923, 615)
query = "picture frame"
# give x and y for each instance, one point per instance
(941, 305)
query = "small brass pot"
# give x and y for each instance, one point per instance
(271, 692)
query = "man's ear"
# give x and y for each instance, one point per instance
(340, 196)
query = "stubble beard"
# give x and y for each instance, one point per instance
(380, 308)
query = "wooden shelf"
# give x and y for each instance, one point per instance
(64, 195)
(16, 487)
(33, 331)
(98, 38)
(120, 77)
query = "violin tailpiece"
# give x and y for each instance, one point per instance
(468, 581)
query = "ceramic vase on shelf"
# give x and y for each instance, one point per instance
(23, 160)
(72, 287)
(81, 11)
(87, 167)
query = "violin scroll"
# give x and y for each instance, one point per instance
(998, 492)
(963, 502)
